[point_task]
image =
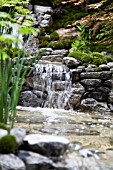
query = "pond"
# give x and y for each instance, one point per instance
(91, 130)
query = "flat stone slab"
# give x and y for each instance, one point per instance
(46, 144)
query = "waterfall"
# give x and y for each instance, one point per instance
(54, 83)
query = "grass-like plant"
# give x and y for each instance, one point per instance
(11, 75)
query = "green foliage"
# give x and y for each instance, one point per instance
(11, 75)
(8, 144)
(43, 44)
(97, 69)
(82, 43)
(15, 7)
(54, 36)
(67, 16)
(61, 44)
(93, 58)
(3, 126)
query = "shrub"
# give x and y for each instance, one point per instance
(8, 144)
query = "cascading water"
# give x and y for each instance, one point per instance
(54, 83)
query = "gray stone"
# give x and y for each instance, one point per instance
(42, 9)
(3, 132)
(110, 98)
(11, 162)
(44, 23)
(89, 103)
(35, 161)
(29, 82)
(71, 62)
(110, 64)
(100, 96)
(78, 89)
(47, 144)
(103, 89)
(91, 82)
(53, 58)
(105, 75)
(108, 83)
(57, 52)
(104, 67)
(27, 98)
(74, 100)
(46, 17)
(59, 86)
(92, 75)
(75, 76)
(19, 133)
(90, 68)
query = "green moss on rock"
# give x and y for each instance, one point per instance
(93, 58)
(8, 144)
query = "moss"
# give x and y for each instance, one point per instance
(56, 45)
(3, 126)
(44, 38)
(43, 44)
(8, 144)
(42, 31)
(54, 36)
(93, 58)
(98, 69)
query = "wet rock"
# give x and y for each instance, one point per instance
(29, 82)
(90, 68)
(78, 89)
(42, 9)
(104, 67)
(19, 133)
(59, 86)
(91, 82)
(75, 76)
(99, 96)
(44, 23)
(105, 75)
(35, 161)
(3, 132)
(57, 52)
(70, 62)
(53, 58)
(27, 98)
(89, 103)
(108, 83)
(110, 64)
(103, 90)
(11, 162)
(74, 100)
(47, 145)
(92, 75)
(110, 98)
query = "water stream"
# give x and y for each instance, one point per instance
(54, 80)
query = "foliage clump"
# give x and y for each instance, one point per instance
(8, 144)
(3, 126)
(54, 36)
(92, 58)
